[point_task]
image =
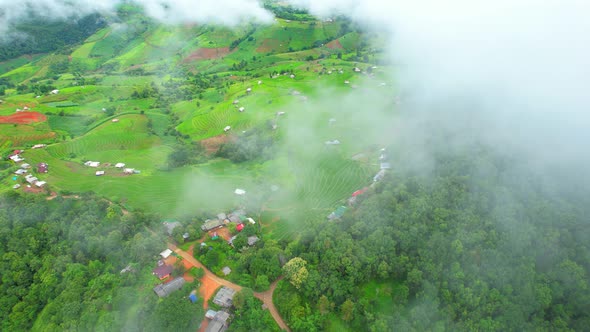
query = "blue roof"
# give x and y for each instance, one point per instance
(193, 298)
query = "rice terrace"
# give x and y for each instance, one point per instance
(288, 166)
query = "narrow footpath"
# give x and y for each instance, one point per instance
(265, 297)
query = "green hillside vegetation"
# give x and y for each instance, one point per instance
(198, 111)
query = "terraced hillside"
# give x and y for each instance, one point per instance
(135, 92)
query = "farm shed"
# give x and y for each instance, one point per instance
(193, 297)
(226, 270)
(224, 297)
(163, 290)
(92, 163)
(120, 165)
(40, 184)
(240, 192)
(99, 173)
(166, 253)
(20, 171)
(25, 166)
(227, 128)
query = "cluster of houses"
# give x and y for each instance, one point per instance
(121, 166)
(163, 272)
(384, 165)
(219, 320)
(237, 217)
(24, 169)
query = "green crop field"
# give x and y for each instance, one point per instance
(113, 67)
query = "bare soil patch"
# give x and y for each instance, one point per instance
(207, 54)
(222, 232)
(334, 44)
(213, 144)
(23, 118)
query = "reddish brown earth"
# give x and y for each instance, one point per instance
(334, 44)
(207, 54)
(222, 233)
(213, 144)
(23, 118)
(210, 282)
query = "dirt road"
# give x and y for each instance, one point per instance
(209, 277)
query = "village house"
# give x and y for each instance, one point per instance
(39, 146)
(25, 166)
(252, 240)
(119, 165)
(31, 179)
(54, 92)
(379, 176)
(99, 173)
(170, 225)
(240, 192)
(210, 314)
(241, 109)
(40, 184)
(163, 271)
(16, 186)
(236, 102)
(333, 142)
(20, 171)
(224, 297)
(226, 270)
(129, 170)
(163, 290)
(219, 322)
(211, 224)
(16, 158)
(338, 213)
(227, 128)
(92, 163)
(42, 168)
(222, 216)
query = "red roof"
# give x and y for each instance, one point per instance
(359, 192)
(239, 227)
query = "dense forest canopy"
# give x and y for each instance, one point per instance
(474, 245)
(36, 35)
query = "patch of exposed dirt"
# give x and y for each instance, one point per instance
(335, 45)
(23, 118)
(207, 54)
(213, 144)
(222, 232)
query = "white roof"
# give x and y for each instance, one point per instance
(120, 165)
(226, 128)
(259, 82)
(40, 183)
(20, 171)
(99, 172)
(249, 89)
(241, 109)
(129, 170)
(16, 186)
(239, 192)
(166, 253)
(54, 92)
(250, 220)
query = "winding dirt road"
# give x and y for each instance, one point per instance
(265, 297)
